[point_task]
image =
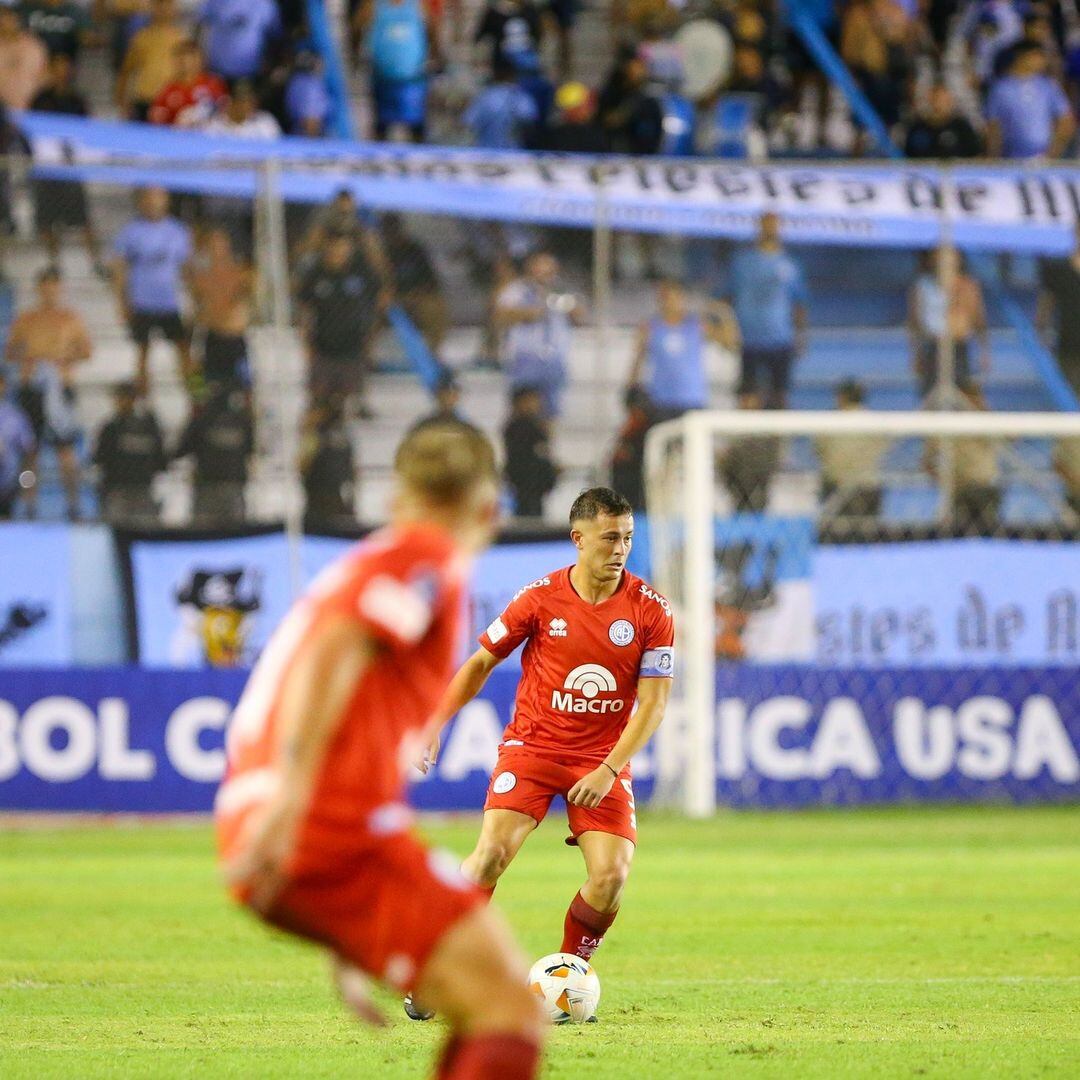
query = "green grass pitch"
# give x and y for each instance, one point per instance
(906, 943)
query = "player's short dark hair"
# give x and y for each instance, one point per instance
(445, 460)
(593, 502)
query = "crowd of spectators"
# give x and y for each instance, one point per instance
(172, 67)
(949, 79)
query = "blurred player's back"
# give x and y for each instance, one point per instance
(403, 585)
(312, 821)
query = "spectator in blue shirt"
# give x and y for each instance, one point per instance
(670, 358)
(152, 253)
(1027, 112)
(307, 101)
(16, 446)
(237, 33)
(768, 294)
(398, 37)
(501, 113)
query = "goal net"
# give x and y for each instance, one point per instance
(870, 605)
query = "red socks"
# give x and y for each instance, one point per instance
(584, 928)
(489, 1057)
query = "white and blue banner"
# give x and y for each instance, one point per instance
(214, 603)
(131, 740)
(764, 593)
(948, 602)
(1032, 209)
(36, 608)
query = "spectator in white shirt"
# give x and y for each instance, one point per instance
(241, 117)
(535, 319)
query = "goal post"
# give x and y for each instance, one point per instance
(934, 490)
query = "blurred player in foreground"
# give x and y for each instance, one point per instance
(598, 639)
(312, 825)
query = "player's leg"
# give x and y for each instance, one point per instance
(476, 978)
(607, 835)
(501, 836)
(593, 910)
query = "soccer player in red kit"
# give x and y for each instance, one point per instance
(312, 825)
(598, 639)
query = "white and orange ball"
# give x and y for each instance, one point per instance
(567, 986)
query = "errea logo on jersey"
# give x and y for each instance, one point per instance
(557, 628)
(588, 681)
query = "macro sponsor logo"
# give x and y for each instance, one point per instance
(653, 595)
(583, 685)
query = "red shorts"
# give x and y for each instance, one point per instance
(526, 782)
(382, 907)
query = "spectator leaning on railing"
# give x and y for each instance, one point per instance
(1027, 112)
(193, 95)
(940, 132)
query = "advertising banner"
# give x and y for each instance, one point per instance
(991, 207)
(964, 602)
(36, 612)
(126, 739)
(764, 594)
(214, 603)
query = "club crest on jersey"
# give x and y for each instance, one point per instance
(621, 632)
(557, 628)
(583, 685)
(504, 782)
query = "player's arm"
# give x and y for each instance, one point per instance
(652, 698)
(464, 686)
(314, 697)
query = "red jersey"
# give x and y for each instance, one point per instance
(403, 588)
(582, 662)
(188, 106)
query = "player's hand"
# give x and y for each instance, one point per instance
(261, 865)
(590, 790)
(427, 760)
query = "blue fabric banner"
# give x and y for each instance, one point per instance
(989, 208)
(125, 739)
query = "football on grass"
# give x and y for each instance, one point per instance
(568, 987)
